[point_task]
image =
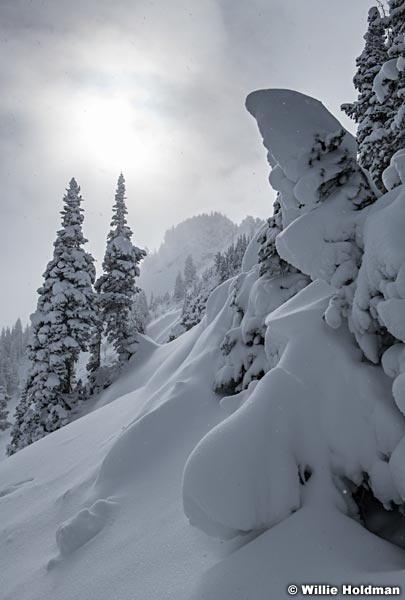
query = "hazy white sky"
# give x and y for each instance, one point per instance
(155, 89)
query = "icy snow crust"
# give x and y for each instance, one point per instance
(98, 509)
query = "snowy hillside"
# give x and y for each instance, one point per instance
(165, 489)
(201, 237)
(106, 490)
(159, 329)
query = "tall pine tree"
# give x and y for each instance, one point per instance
(4, 398)
(367, 111)
(61, 329)
(179, 288)
(396, 52)
(116, 287)
(190, 272)
(389, 87)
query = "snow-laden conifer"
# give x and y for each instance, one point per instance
(61, 329)
(371, 115)
(117, 287)
(389, 87)
(190, 272)
(4, 398)
(179, 288)
(140, 312)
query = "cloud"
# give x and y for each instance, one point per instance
(155, 88)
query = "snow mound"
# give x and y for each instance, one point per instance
(288, 122)
(379, 300)
(394, 174)
(248, 473)
(314, 167)
(337, 551)
(80, 529)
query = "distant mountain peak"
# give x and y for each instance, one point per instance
(202, 236)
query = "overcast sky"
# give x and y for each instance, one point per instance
(155, 89)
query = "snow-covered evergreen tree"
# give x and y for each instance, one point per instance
(229, 263)
(6, 371)
(234, 255)
(94, 381)
(179, 288)
(61, 329)
(221, 267)
(13, 350)
(140, 312)
(190, 272)
(195, 301)
(396, 51)
(367, 111)
(152, 301)
(389, 87)
(4, 398)
(243, 345)
(116, 286)
(271, 264)
(225, 266)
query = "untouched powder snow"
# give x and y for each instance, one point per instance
(316, 544)
(94, 510)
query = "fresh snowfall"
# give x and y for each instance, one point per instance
(244, 434)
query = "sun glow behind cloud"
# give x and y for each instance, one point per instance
(157, 90)
(113, 132)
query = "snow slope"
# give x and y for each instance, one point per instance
(94, 510)
(316, 544)
(119, 503)
(159, 329)
(299, 423)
